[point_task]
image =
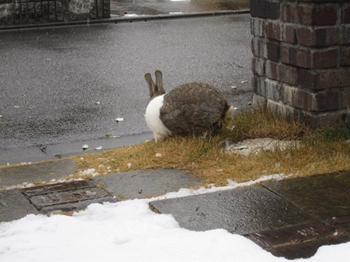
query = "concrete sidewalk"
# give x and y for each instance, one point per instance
(289, 218)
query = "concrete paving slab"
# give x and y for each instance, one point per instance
(44, 171)
(322, 196)
(305, 249)
(241, 211)
(147, 183)
(23, 155)
(300, 241)
(342, 224)
(292, 235)
(14, 205)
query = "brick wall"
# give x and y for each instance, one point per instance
(301, 59)
(17, 12)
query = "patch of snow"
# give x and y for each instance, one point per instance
(90, 171)
(130, 231)
(183, 192)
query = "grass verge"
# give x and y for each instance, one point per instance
(320, 151)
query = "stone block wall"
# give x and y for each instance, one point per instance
(301, 59)
(17, 12)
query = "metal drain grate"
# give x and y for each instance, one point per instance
(68, 196)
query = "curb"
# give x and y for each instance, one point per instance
(127, 19)
(39, 153)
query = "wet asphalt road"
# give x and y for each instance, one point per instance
(155, 7)
(60, 85)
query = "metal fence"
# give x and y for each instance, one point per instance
(13, 12)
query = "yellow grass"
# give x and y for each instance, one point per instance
(320, 151)
(206, 157)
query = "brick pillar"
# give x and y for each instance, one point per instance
(301, 59)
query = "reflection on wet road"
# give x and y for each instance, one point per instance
(155, 7)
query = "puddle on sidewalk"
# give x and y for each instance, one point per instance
(157, 7)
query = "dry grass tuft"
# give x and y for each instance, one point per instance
(258, 123)
(321, 151)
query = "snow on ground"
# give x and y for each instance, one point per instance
(130, 231)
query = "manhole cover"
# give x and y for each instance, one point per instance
(67, 196)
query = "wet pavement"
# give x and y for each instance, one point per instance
(42, 171)
(131, 185)
(289, 218)
(77, 195)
